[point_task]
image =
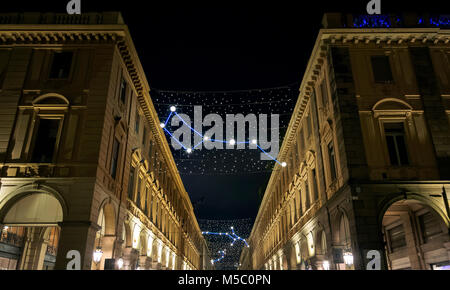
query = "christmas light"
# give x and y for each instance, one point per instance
(232, 142)
(232, 236)
(220, 258)
(162, 125)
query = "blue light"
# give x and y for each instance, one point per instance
(220, 258)
(231, 142)
(374, 21)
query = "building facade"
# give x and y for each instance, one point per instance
(86, 170)
(367, 153)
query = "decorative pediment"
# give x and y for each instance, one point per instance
(391, 105)
(51, 99)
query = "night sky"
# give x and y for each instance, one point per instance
(197, 47)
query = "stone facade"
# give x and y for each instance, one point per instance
(367, 151)
(82, 151)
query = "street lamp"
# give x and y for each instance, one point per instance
(120, 263)
(98, 255)
(348, 258)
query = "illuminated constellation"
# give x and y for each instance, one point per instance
(232, 236)
(232, 142)
(222, 253)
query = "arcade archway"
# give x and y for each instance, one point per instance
(30, 232)
(416, 237)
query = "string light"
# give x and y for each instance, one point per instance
(270, 101)
(232, 236)
(222, 253)
(232, 142)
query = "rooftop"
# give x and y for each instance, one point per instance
(404, 20)
(61, 18)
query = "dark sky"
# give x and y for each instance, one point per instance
(223, 45)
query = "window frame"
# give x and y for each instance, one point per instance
(52, 59)
(34, 132)
(383, 120)
(116, 165)
(388, 82)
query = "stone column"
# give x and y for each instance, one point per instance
(79, 236)
(34, 249)
(130, 258)
(415, 256)
(107, 244)
(144, 262)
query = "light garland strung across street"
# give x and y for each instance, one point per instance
(232, 142)
(232, 236)
(223, 252)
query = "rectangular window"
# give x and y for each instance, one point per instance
(332, 157)
(307, 199)
(45, 144)
(138, 195)
(324, 93)
(397, 237)
(131, 183)
(395, 140)
(315, 188)
(144, 136)
(430, 226)
(150, 153)
(381, 69)
(62, 62)
(302, 143)
(123, 91)
(114, 158)
(309, 124)
(138, 121)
